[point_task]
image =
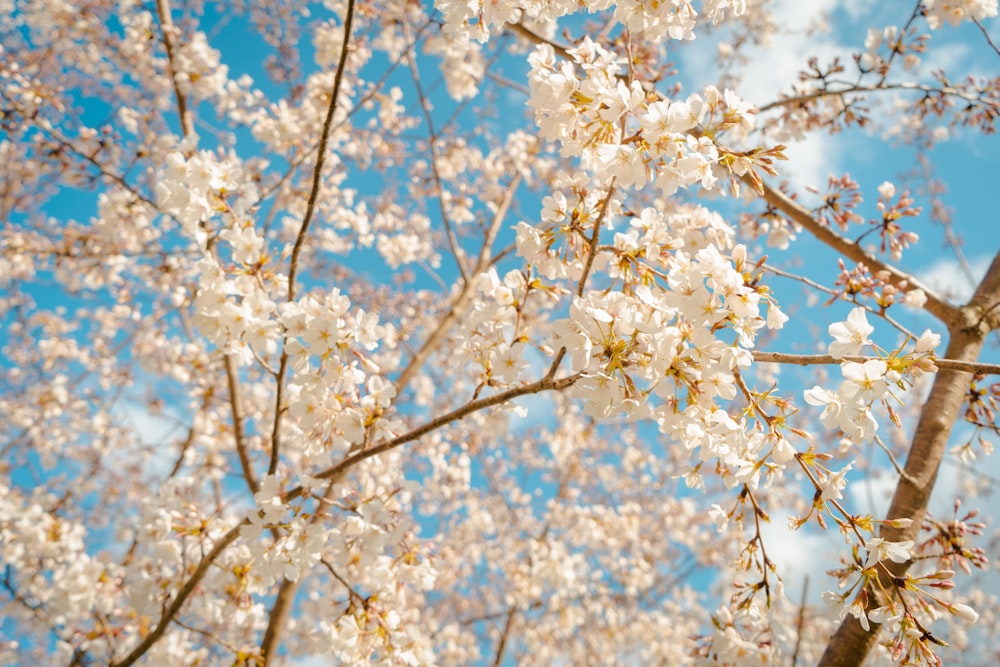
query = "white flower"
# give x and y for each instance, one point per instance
(886, 615)
(718, 516)
(866, 380)
(915, 298)
(775, 317)
(850, 336)
(964, 612)
(927, 342)
(879, 550)
(832, 406)
(835, 483)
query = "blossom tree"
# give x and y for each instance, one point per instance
(375, 332)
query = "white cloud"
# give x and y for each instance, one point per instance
(803, 553)
(947, 278)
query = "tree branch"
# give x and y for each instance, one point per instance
(464, 296)
(813, 359)
(504, 635)
(935, 305)
(432, 139)
(317, 178)
(545, 384)
(167, 28)
(874, 88)
(535, 38)
(181, 597)
(241, 445)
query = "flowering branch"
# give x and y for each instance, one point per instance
(182, 595)
(317, 178)
(464, 296)
(976, 367)
(935, 305)
(545, 384)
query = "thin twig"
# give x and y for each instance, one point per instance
(317, 178)
(432, 139)
(241, 445)
(881, 314)
(535, 38)
(986, 34)
(594, 237)
(873, 88)
(464, 296)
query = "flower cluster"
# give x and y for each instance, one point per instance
(954, 12)
(630, 136)
(849, 408)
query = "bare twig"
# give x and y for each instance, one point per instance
(535, 38)
(986, 34)
(432, 139)
(872, 88)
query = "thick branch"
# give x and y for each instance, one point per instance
(849, 646)
(935, 305)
